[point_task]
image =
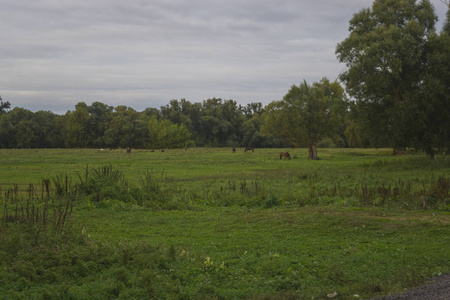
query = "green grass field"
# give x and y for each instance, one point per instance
(214, 224)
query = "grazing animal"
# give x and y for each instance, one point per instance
(234, 150)
(128, 150)
(285, 155)
(249, 149)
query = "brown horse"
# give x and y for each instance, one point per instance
(285, 155)
(128, 150)
(249, 149)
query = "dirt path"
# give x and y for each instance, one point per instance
(438, 288)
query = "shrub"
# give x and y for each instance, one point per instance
(271, 201)
(103, 183)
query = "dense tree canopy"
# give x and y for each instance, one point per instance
(213, 122)
(397, 70)
(307, 114)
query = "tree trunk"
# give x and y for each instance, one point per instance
(313, 152)
(430, 153)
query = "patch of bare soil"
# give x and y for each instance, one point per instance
(438, 288)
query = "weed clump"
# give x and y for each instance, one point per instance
(271, 201)
(38, 210)
(106, 185)
(103, 183)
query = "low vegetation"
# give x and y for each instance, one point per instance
(210, 223)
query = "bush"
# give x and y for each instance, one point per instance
(271, 201)
(103, 183)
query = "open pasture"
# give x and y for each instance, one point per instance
(233, 225)
(220, 177)
(25, 166)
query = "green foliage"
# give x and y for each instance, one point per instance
(21, 128)
(38, 211)
(77, 134)
(4, 106)
(105, 186)
(307, 114)
(228, 253)
(165, 134)
(397, 72)
(271, 201)
(102, 183)
(99, 122)
(180, 124)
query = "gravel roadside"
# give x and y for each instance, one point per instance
(438, 288)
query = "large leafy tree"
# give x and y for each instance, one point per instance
(390, 55)
(430, 106)
(307, 114)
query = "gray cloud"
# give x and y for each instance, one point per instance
(145, 53)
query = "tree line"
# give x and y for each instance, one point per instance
(212, 122)
(397, 94)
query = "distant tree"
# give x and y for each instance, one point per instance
(233, 118)
(307, 114)
(22, 129)
(48, 130)
(25, 135)
(194, 112)
(127, 129)
(4, 106)
(172, 111)
(6, 131)
(150, 112)
(213, 127)
(56, 138)
(165, 134)
(100, 116)
(252, 108)
(180, 112)
(76, 127)
(251, 131)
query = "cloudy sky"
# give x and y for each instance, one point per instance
(143, 53)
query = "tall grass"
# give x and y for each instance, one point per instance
(39, 209)
(178, 179)
(159, 192)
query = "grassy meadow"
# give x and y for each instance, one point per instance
(207, 223)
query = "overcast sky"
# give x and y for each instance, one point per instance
(143, 53)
